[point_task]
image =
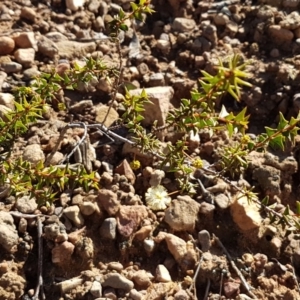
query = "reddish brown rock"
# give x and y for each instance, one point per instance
(25, 56)
(124, 169)
(25, 40)
(130, 217)
(7, 45)
(231, 288)
(109, 201)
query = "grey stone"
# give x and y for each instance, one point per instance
(158, 109)
(56, 158)
(22, 227)
(162, 274)
(181, 295)
(108, 228)
(56, 37)
(163, 45)
(200, 45)
(103, 85)
(99, 24)
(94, 6)
(33, 154)
(74, 5)
(291, 21)
(81, 106)
(87, 208)
(222, 201)
(73, 49)
(156, 79)
(135, 295)
(209, 31)
(221, 19)
(149, 245)
(269, 179)
(183, 24)
(55, 232)
(26, 205)
(25, 56)
(182, 213)
(73, 214)
(5, 17)
(118, 281)
(274, 53)
(11, 67)
(7, 99)
(30, 73)
(3, 111)
(101, 112)
(96, 289)
(204, 240)
(207, 209)
(142, 278)
(47, 47)
(9, 238)
(3, 76)
(232, 28)
(115, 265)
(156, 177)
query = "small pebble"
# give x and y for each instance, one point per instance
(108, 229)
(135, 295)
(274, 53)
(96, 289)
(26, 205)
(7, 45)
(204, 240)
(73, 214)
(28, 13)
(87, 208)
(162, 274)
(11, 67)
(142, 278)
(117, 281)
(114, 265)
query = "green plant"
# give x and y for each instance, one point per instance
(26, 112)
(45, 182)
(198, 113)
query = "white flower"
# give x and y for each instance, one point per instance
(157, 198)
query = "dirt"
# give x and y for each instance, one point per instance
(108, 244)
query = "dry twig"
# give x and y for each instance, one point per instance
(39, 291)
(233, 265)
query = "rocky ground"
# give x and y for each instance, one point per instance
(108, 244)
